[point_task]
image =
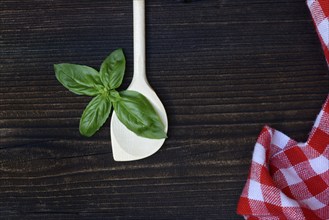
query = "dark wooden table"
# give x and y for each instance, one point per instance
(222, 68)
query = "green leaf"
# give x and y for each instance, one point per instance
(113, 69)
(114, 96)
(138, 115)
(81, 80)
(95, 115)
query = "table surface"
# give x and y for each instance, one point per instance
(223, 70)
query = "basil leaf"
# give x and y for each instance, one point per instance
(113, 69)
(81, 80)
(114, 95)
(95, 115)
(138, 115)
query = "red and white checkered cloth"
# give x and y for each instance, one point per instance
(320, 13)
(287, 179)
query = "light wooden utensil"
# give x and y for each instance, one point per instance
(126, 145)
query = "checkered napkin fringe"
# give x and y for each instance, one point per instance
(289, 180)
(320, 13)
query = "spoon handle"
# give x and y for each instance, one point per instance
(139, 41)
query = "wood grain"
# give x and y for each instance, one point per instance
(222, 68)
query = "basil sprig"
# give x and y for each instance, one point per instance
(132, 108)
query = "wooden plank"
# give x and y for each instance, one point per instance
(222, 68)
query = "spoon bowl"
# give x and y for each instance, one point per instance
(126, 145)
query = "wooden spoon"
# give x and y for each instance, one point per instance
(126, 145)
